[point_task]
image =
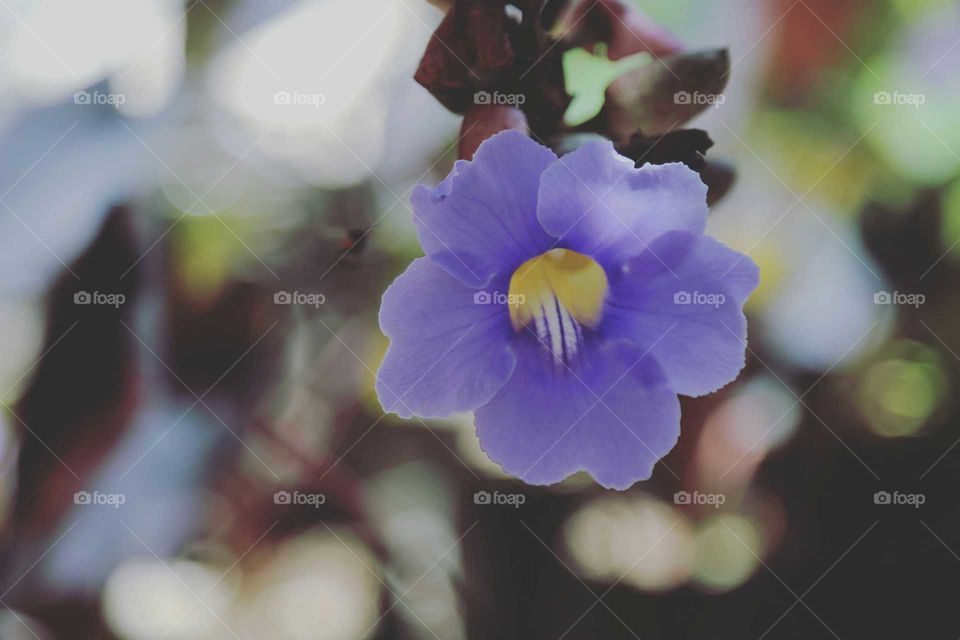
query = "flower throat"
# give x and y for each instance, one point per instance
(559, 292)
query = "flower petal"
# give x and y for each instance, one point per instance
(482, 218)
(610, 415)
(447, 353)
(595, 202)
(683, 299)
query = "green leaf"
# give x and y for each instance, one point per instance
(587, 77)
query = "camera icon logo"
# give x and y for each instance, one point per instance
(282, 297)
(882, 97)
(682, 297)
(82, 497)
(281, 497)
(282, 97)
(82, 297)
(482, 497)
(81, 97)
(682, 97)
(482, 297)
(882, 297)
(482, 97)
(681, 497)
(881, 497)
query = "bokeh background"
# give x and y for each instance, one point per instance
(144, 437)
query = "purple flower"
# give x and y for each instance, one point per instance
(566, 303)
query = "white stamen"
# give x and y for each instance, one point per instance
(554, 329)
(571, 333)
(558, 331)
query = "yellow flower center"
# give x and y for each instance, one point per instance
(558, 291)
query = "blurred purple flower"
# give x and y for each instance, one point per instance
(566, 302)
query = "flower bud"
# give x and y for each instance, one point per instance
(483, 120)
